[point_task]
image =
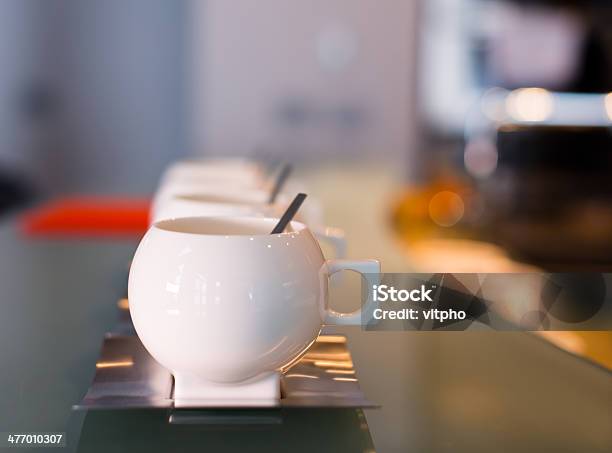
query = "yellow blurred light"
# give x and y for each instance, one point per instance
(123, 304)
(331, 339)
(297, 375)
(530, 104)
(115, 364)
(328, 355)
(333, 371)
(334, 363)
(345, 379)
(608, 105)
(569, 341)
(446, 208)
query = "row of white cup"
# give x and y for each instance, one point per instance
(217, 299)
(234, 187)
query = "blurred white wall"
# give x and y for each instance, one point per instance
(311, 78)
(92, 92)
(19, 38)
(97, 95)
(120, 75)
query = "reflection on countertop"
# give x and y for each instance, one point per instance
(465, 391)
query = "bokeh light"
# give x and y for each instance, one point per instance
(446, 208)
(530, 104)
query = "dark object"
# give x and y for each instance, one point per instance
(289, 213)
(13, 192)
(575, 297)
(281, 178)
(295, 430)
(574, 149)
(549, 201)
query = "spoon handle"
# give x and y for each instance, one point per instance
(280, 182)
(289, 213)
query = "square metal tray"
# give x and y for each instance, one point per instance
(128, 377)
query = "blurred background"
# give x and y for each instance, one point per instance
(485, 119)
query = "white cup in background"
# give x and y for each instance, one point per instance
(237, 173)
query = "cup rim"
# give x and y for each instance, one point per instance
(215, 159)
(298, 227)
(218, 198)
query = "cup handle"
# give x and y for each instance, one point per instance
(369, 270)
(335, 237)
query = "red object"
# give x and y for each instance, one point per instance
(88, 216)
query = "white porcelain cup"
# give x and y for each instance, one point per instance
(227, 307)
(246, 204)
(212, 205)
(260, 192)
(166, 193)
(239, 173)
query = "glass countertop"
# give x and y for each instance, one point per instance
(438, 391)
